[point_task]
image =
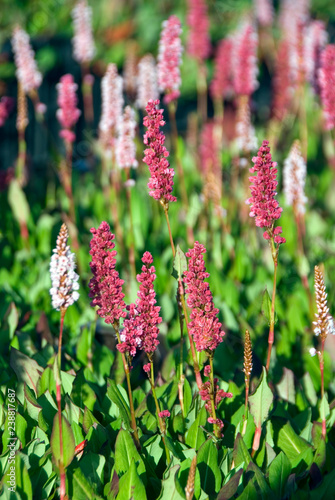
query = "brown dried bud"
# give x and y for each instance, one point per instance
(324, 323)
(189, 490)
(247, 355)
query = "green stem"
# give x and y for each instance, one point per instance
(160, 420)
(180, 292)
(321, 357)
(274, 252)
(245, 416)
(202, 92)
(59, 404)
(217, 430)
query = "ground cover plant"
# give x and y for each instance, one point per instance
(168, 250)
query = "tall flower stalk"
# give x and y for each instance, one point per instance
(324, 325)
(21, 125)
(266, 210)
(64, 292)
(106, 294)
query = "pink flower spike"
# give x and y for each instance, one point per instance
(164, 414)
(125, 145)
(26, 67)
(327, 85)
(83, 44)
(169, 59)
(244, 62)
(204, 325)
(221, 85)
(112, 104)
(106, 285)
(161, 181)
(147, 87)
(263, 205)
(68, 113)
(198, 45)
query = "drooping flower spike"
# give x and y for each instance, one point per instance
(169, 59)
(68, 113)
(64, 279)
(161, 181)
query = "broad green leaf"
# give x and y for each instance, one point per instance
(320, 453)
(279, 471)
(326, 489)
(261, 481)
(229, 489)
(18, 202)
(169, 489)
(115, 395)
(241, 454)
(266, 305)
(131, 486)
(179, 264)
(23, 482)
(125, 452)
(20, 428)
(153, 447)
(88, 419)
(33, 406)
(195, 436)
(207, 463)
(294, 447)
(324, 407)
(285, 388)
(261, 400)
(250, 492)
(68, 442)
(26, 369)
(309, 389)
(79, 487)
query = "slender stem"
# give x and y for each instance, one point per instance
(166, 212)
(59, 354)
(272, 316)
(245, 416)
(21, 159)
(202, 91)
(217, 430)
(321, 358)
(180, 292)
(160, 420)
(59, 404)
(130, 395)
(87, 86)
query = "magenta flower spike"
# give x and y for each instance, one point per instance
(327, 85)
(26, 67)
(83, 43)
(161, 181)
(245, 67)
(169, 59)
(263, 205)
(68, 113)
(221, 85)
(204, 326)
(198, 45)
(106, 284)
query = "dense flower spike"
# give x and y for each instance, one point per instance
(264, 206)
(294, 179)
(246, 139)
(106, 285)
(198, 44)
(63, 277)
(68, 113)
(26, 68)
(204, 325)
(315, 40)
(247, 365)
(264, 12)
(169, 59)
(244, 61)
(327, 85)
(324, 323)
(112, 103)
(83, 44)
(221, 85)
(161, 181)
(140, 328)
(282, 83)
(147, 87)
(125, 146)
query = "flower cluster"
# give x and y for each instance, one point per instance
(204, 325)
(140, 328)
(83, 44)
(324, 323)
(161, 181)
(169, 59)
(147, 87)
(315, 39)
(198, 45)
(125, 146)
(112, 103)
(106, 285)
(164, 414)
(219, 394)
(294, 179)
(221, 85)
(26, 68)
(264, 12)
(62, 272)
(68, 113)
(327, 85)
(264, 206)
(244, 61)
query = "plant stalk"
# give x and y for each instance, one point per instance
(274, 252)
(161, 423)
(217, 430)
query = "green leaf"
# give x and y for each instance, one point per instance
(88, 419)
(320, 453)
(18, 202)
(195, 436)
(266, 305)
(79, 487)
(241, 454)
(326, 490)
(207, 463)
(309, 389)
(179, 264)
(169, 490)
(68, 442)
(294, 447)
(285, 388)
(23, 483)
(131, 486)
(261, 481)
(249, 492)
(125, 452)
(115, 395)
(324, 407)
(260, 401)
(279, 472)
(26, 369)
(229, 489)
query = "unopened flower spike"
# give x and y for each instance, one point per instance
(65, 286)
